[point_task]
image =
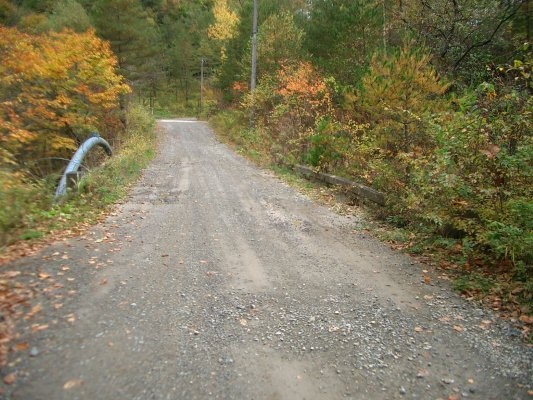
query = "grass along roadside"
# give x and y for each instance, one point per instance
(475, 275)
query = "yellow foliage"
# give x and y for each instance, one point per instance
(225, 25)
(302, 86)
(52, 85)
(63, 143)
(225, 21)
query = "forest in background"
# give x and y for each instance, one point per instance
(426, 101)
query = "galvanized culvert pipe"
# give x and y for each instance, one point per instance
(74, 164)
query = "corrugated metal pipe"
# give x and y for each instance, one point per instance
(77, 159)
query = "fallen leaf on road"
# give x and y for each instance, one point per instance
(22, 346)
(243, 322)
(458, 328)
(526, 319)
(37, 327)
(103, 281)
(43, 275)
(10, 274)
(419, 329)
(470, 380)
(33, 311)
(10, 378)
(71, 318)
(203, 262)
(164, 255)
(427, 297)
(57, 306)
(71, 279)
(74, 383)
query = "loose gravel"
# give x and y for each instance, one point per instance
(217, 280)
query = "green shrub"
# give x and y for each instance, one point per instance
(20, 198)
(473, 282)
(327, 146)
(478, 178)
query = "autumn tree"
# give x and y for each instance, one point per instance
(280, 43)
(396, 92)
(224, 26)
(55, 89)
(235, 67)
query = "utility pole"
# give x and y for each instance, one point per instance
(201, 85)
(254, 49)
(253, 79)
(385, 28)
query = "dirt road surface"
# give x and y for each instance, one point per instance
(215, 280)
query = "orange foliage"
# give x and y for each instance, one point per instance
(240, 88)
(302, 81)
(304, 90)
(52, 85)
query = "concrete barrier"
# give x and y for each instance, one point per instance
(359, 189)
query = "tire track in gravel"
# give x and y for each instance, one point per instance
(216, 280)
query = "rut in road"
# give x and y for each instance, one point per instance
(216, 280)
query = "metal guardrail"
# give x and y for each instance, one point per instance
(75, 163)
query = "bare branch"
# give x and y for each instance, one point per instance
(509, 13)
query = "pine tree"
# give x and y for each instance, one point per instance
(132, 34)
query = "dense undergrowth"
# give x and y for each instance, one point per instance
(459, 195)
(27, 208)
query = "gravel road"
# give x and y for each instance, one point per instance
(216, 280)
